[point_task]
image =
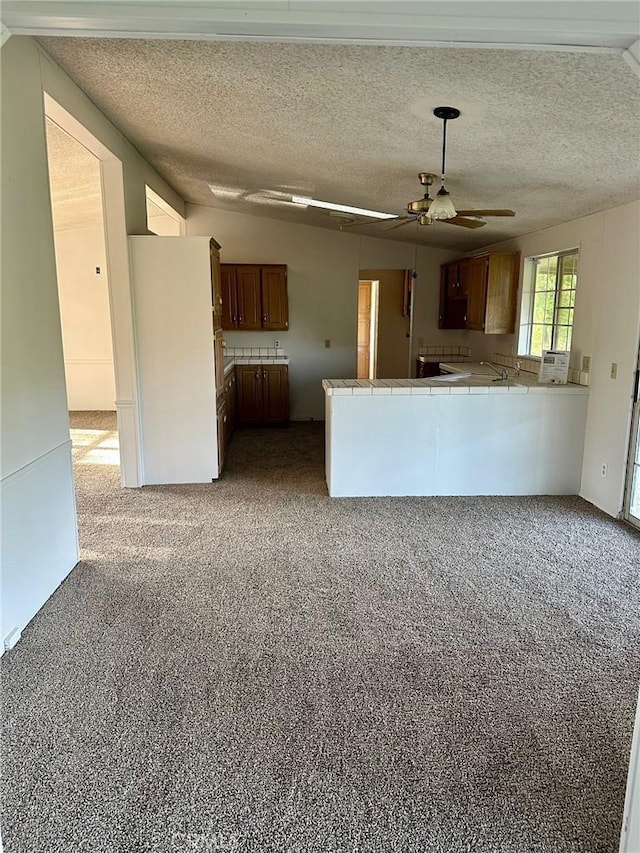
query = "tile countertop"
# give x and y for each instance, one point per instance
(478, 384)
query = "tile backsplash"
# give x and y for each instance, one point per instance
(532, 365)
(527, 365)
(443, 350)
(239, 352)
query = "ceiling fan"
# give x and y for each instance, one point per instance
(427, 210)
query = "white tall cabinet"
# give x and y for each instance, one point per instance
(173, 282)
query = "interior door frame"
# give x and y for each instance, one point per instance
(634, 440)
(120, 292)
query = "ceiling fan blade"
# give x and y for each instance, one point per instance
(466, 223)
(404, 220)
(486, 213)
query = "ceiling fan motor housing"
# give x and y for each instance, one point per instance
(421, 205)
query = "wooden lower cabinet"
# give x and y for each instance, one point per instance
(262, 394)
(223, 433)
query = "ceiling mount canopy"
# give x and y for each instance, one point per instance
(442, 206)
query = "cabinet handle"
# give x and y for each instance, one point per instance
(264, 318)
(239, 318)
(465, 318)
(257, 374)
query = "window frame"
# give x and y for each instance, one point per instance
(528, 301)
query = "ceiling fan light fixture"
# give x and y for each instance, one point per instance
(442, 207)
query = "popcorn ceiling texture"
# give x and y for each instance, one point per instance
(252, 666)
(552, 135)
(74, 178)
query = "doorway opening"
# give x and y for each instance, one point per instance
(367, 329)
(632, 491)
(83, 295)
(384, 324)
(117, 292)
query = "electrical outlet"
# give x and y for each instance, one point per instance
(603, 469)
(586, 363)
(613, 373)
(327, 343)
(276, 344)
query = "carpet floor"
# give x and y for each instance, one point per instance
(250, 665)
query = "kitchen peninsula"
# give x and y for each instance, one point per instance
(468, 435)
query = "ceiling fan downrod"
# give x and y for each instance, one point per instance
(442, 206)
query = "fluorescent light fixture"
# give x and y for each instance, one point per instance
(342, 208)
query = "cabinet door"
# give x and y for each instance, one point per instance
(222, 434)
(452, 314)
(249, 393)
(249, 301)
(275, 393)
(452, 272)
(232, 402)
(275, 308)
(218, 355)
(502, 287)
(228, 295)
(477, 296)
(464, 277)
(216, 286)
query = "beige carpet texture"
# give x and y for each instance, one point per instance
(251, 666)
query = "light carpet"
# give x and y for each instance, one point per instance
(253, 666)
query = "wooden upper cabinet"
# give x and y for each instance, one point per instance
(485, 296)
(502, 291)
(452, 277)
(477, 293)
(254, 296)
(275, 303)
(248, 296)
(229, 297)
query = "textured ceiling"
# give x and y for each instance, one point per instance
(552, 135)
(74, 176)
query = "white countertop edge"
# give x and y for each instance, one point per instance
(425, 387)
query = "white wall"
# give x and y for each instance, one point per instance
(86, 320)
(39, 540)
(606, 328)
(323, 269)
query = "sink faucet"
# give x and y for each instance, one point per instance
(502, 373)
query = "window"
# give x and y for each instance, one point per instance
(548, 303)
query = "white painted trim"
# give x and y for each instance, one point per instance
(632, 57)
(630, 832)
(510, 25)
(88, 361)
(5, 35)
(120, 292)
